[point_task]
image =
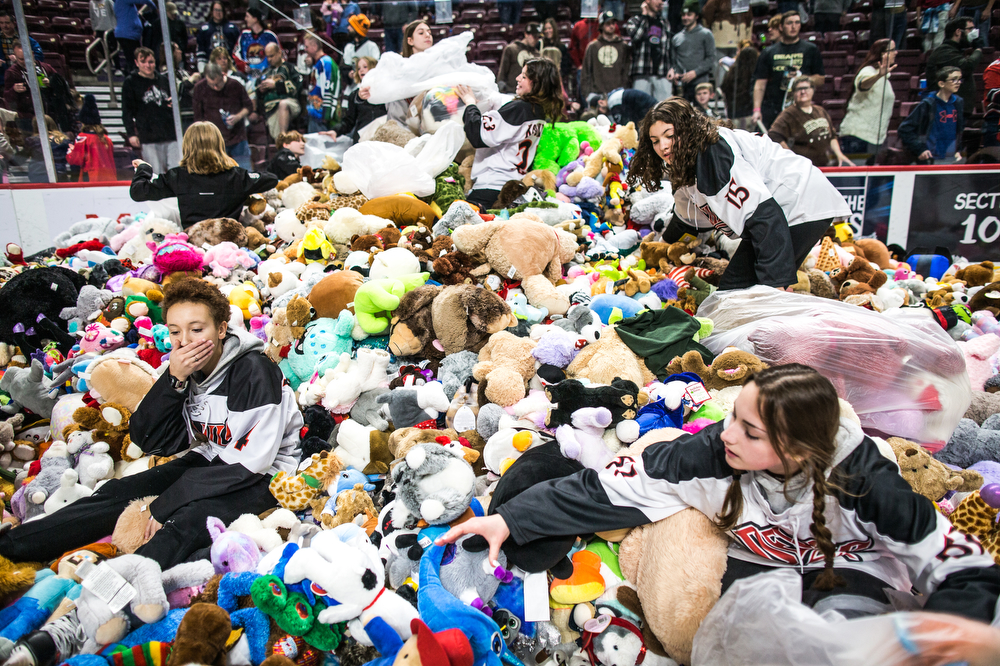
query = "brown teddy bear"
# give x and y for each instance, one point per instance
(441, 246)
(505, 367)
(201, 637)
(930, 477)
(453, 268)
(730, 368)
(987, 298)
(976, 275)
(390, 236)
(109, 424)
(875, 251)
(365, 243)
(217, 230)
(608, 358)
(543, 179)
(419, 237)
(287, 325)
(404, 439)
(335, 293)
(653, 252)
(860, 270)
(350, 504)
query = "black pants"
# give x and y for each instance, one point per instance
(91, 518)
(859, 584)
(483, 198)
(128, 47)
(741, 273)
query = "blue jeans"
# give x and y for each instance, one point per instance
(241, 153)
(616, 6)
(510, 12)
(392, 38)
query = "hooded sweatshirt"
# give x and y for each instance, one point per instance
(243, 418)
(879, 525)
(605, 66)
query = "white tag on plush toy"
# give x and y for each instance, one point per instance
(107, 585)
(511, 272)
(465, 419)
(536, 597)
(697, 394)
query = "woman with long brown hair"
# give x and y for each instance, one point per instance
(208, 183)
(745, 186)
(417, 38)
(796, 486)
(870, 99)
(506, 138)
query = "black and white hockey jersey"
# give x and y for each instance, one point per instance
(243, 418)
(505, 138)
(878, 524)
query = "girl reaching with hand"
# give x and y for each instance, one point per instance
(506, 135)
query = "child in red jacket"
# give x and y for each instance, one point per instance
(93, 151)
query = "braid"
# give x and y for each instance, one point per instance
(732, 507)
(828, 579)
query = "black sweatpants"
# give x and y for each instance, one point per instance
(741, 272)
(92, 518)
(483, 198)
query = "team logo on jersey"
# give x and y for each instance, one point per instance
(737, 195)
(623, 466)
(778, 545)
(716, 222)
(957, 544)
(216, 433)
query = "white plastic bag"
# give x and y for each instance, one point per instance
(435, 152)
(318, 146)
(380, 169)
(902, 373)
(166, 209)
(442, 65)
(760, 620)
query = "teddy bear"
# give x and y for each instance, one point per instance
(730, 368)
(524, 249)
(217, 230)
(53, 463)
(7, 429)
(453, 268)
(434, 484)
(109, 424)
(350, 505)
(929, 477)
(987, 298)
(345, 223)
(69, 491)
(608, 358)
(505, 367)
(294, 491)
(133, 243)
(91, 458)
(860, 270)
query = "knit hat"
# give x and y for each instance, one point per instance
(693, 7)
(360, 23)
(89, 114)
(154, 653)
(446, 648)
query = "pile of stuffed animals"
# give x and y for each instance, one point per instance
(442, 356)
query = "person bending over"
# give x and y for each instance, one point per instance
(744, 186)
(220, 400)
(208, 183)
(506, 137)
(785, 469)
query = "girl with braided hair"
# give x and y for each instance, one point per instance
(744, 186)
(794, 485)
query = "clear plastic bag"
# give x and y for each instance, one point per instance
(438, 106)
(900, 371)
(442, 65)
(435, 152)
(380, 169)
(318, 146)
(760, 620)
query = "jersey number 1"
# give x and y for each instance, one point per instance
(523, 148)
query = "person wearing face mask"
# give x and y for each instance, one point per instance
(221, 400)
(959, 35)
(980, 11)
(744, 186)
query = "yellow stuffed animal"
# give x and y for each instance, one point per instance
(295, 491)
(247, 299)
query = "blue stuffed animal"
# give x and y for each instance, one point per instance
(346, 480)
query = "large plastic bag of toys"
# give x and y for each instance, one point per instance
(441, 66)
(901, 372)
(760, 620)
(380, 169)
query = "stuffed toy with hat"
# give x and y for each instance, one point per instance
(119, 377)
(424, 648)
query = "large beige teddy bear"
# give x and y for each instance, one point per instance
(523, 248)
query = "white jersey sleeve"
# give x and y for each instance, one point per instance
(505, 140)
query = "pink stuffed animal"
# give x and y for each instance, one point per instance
(99, 338)
(977, 353)
(176, 254)
(231, 551)
(225, 257)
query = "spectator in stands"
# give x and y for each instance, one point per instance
(217, 32)
(361, 67)
(223, 102)
(360, 112)
(887, 22)
(694, 51)
(549, 9)
(933, 130)
(147, 114)
(773, 30)
(342, 32)
(359, 44)
(8, 34)
(704, 95)
(322, 87)
(870, 100)
(395, 15)
(291, 146)
(932, 16)
(606, 65)
(779, 64)
(16, 93)
(980, 12)
(278, 91)
(515, 55)
(827, 13)
(649, 40)
(737, 86)
(417, 38)
(220, 56)
(625, 105)
(59, 144)
(510, 11)
(176, 28)
(550, 39)
(807, 129)
(93, 151)
(991, 123)
(208, 183)
(584, 32)
(8, 144)
(330, 10)
(128, 30)
(728, 29)
(506, 138)
(248, 53)
(185, 85)
(951, 53)
(991, 79)
(572, 106)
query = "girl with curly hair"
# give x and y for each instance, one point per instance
(745, 186)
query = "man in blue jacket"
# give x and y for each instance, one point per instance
(933, 130)
(217, 32)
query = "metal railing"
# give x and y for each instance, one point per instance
(107, 64)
